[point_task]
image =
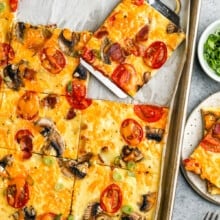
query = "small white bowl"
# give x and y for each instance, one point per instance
(212, 28)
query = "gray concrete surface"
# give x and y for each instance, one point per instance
(188, 204)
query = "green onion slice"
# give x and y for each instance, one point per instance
(2, 6)
(59, 187)
(70, 217)
(117, 176)
(127, 209)
(131, 165)
(48, 161)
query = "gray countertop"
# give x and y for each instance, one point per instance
(188, 204)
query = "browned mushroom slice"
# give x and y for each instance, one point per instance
(132, 216)
(105, 45)
(154, 133)
(54, 139)
(67, 41)
(148, 201)
(20, 29)
(81, 72)
(6, 161)
(77, 168)
(172, 28)
(131, 154)
(12, 77)
(27, 213)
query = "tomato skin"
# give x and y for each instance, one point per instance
(138, 2)
(155, 55)
(210, 143)
(124, 76)
(17, 192)
(6, 53)
(76, 95)
(13, 5)
(88, 55)
(52, 60)
(111, 198)
(131, 131)
(149, 113)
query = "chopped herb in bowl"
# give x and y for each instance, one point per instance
(212, 51)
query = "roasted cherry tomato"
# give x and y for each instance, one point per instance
(191, 164)
(24, 138)
(28, 106)
(116, 53)
(88, 55)
(111, 198)
(155, 55)
(131, 131)
(76, 95)
(48, 216)
(149, 113)
(6, 53)
(52, 60)
(138, 2)
(13, 5)
(17, 192)
(125, 77)
(142, 34)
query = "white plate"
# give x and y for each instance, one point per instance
(192, 136)
(211, 29)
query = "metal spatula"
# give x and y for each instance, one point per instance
(166, 11)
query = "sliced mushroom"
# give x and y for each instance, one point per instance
(29, 213)
(105, 45)
(54, 139)
(146, 76)
(172, 28)
(12, 77)
(154, 133)
(92, 210)
(131, 154)
(77, 168)
(6, 161)
(132, 216)
(20, 29)
(148, 200)
(81, 72)
(67, 43)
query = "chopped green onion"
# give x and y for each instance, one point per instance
(69, 87)
(48, 161)
(117, 176)
(2, 6)
(59, 186)
(117, 160)
(58, 217)
(131, 174)
(70, 217)
(127, 209)
(131, 165)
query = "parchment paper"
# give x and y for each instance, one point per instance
(89, 15)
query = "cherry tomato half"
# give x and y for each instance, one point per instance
(88, 55)
(52, 60)
(131, 131)
(17, 192)
(125, 77)
(209, 143)
(76, 95)
(28, 105)
(111, 198)
(6, 53)
(155, 55)
(13, 5)
(149, 113)
(138, 2)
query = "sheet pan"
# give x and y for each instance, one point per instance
(162, 95)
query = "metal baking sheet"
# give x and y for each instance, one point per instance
(176, 130)
(174, 96)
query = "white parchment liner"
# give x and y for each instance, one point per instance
(89, 15)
